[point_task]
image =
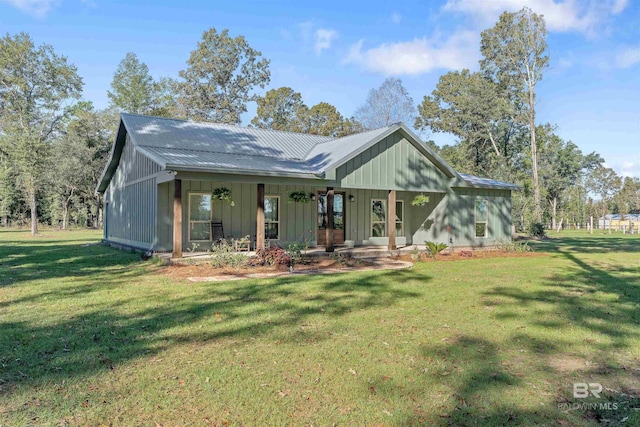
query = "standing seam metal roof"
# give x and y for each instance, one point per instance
(219, 147)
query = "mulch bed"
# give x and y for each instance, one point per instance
(321, 265)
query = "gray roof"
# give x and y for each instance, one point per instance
(476, 181)
(211, 147)
(166, 133)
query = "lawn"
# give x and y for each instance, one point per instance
(90, 335)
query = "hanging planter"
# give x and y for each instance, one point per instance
(299, 197)
(420, 200)
(223, 194)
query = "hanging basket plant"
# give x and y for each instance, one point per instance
(420, 200)
(299, 197)
(223, 194)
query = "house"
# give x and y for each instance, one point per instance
(162, 175)
(619, 221)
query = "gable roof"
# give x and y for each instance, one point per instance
(211, 147)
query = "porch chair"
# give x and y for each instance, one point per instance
(217, 231)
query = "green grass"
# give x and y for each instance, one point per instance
(91, 336)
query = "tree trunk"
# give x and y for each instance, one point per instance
(65, 213)
(553, 213)
(99, 210)
(534, 157)
(34, 214)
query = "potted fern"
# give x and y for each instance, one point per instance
(222, 194)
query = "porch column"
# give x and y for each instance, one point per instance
(177, 219)
(260, 218)
(391, 219)
(329, 228)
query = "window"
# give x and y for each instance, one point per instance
(379, 218)
(482, 218)
(199, 217)
(272, 217)
(399, 218)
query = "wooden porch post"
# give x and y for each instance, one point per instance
(329, 228)
(177, 219)
(260, 218)
(391, 219)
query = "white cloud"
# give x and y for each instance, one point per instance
(37, 8)
(323, 39)
(619, 6)
(560, 16)
(396, 17)
(628, 57)
(418, 56)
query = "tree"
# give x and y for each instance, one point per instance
(280, 109)
(36, 86)
(323, 119)
(220, 75)
(388, 104)
(627, 200)
(350, 126)
(132, 88)
(560, 165)
(605, 183)
(9, 192)
(165, 103)
(87, 142)
(514, 57)
(473, 108)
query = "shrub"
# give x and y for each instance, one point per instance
(434, 248)
(295, 250)
(514, 247)
(272, 256)
(535, 229)
(223, 255)
(345, 259)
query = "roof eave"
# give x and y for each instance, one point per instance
(114, 159)
(252, 172)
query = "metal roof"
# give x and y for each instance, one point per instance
(147, 131)
(187, 145)
(476, 181)
(177, 158)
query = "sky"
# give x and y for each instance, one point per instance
(337, 51)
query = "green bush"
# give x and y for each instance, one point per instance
(514, 247)
(535, 229)
(434, 248)
(295, 250)
(223, 255)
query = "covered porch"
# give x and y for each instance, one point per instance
(332, 219)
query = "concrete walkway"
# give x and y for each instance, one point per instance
(386, 265)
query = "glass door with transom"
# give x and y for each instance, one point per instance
(338, 218)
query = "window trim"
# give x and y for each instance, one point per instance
(272, 222)
(476, 222)
(400, 222)
(371, 222)
(189, 221)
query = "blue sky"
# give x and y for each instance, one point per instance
(336, 51)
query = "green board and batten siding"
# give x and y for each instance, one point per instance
(461, 210)
(392, 164)
(130, 217)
